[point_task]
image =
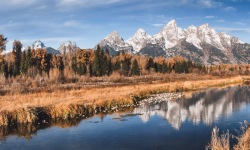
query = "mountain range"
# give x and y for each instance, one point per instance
(201, 44)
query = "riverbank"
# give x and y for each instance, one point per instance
(45, 106)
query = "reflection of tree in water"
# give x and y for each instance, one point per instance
(203, 107)
(28, 130)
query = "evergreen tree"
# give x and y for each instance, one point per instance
(74, 64)
(5, 69)
(46, 63)
(135, 69)
(117, 65)
(86, 62)
(60, 66)
(3, 41)
(184, 66)
(164, 67)
(156, 67)
(110, 67)
(11, 70)
(82, 69)
(29, 58)
(150, 64)
(177, 67)
(24, 63)
(126, 66)
(17, 53)
(159, 67)
(98, 60)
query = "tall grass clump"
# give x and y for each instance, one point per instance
(219, 142)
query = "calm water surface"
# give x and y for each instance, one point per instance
(174, 125)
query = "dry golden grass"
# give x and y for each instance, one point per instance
(222, 142)
(100, 95)
(219, 142)
(244, 140)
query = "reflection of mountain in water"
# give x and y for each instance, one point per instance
(203, 107)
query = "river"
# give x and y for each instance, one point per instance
(185, 123)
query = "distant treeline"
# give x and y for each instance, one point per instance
(99, 62)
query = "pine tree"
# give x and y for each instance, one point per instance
(24, 63)
(150, 64)
(60, 66)
(126, 65)
(98, 60)
(29, 58)
(117, 65)
(11, 70)
(5, 69)
(110, 67)
(46, 63)
(164, 67)
(3, 42)
(156, 67)
(17, 53)
(86, 62)
(135, 69)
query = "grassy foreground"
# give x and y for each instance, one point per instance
(44, 106)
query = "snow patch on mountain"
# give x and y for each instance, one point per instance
(37, 44)
(139, 40)
(67, 47)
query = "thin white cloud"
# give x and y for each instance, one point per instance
(17, 3)
(224, 29)
(209, 17)
(208, 3)
(242, 23)
(230, 8)
(85, 3)
(75, 24)
(71, 23)
(221, 20)
(10, 25)
(197, 17)
(157, 24)
(239, 23)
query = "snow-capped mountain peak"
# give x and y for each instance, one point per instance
(67, 47)
(37, 44)
(113, 36)
(192, 27)
(171, 34)
(141, 33)
(172, 23)
(139, 40)
(115, 41)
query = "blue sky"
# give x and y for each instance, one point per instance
(88, 21)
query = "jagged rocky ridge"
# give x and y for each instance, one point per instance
(201, 44)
